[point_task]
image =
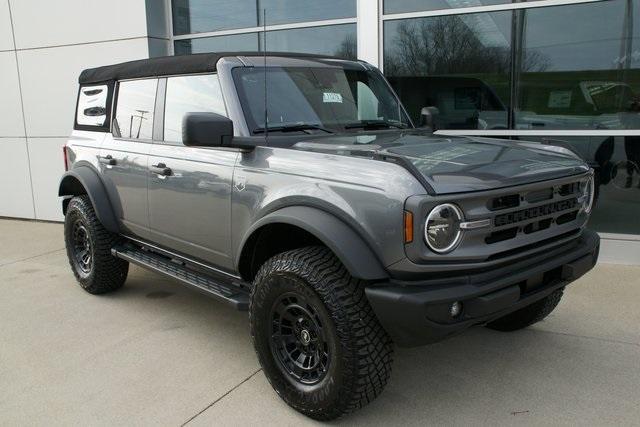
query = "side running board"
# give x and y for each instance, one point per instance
(227, 290)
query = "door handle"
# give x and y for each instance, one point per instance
(107, 160)
(161, 169)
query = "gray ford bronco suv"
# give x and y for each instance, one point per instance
(297, 188)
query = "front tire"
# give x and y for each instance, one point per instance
(89, 246)
(528, 315)
(316, 336)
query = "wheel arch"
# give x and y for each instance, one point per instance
(304, 226)
(84, 180)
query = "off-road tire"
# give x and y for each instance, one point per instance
(528, 315)
(360, 351)
(106, 272)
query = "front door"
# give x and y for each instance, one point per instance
(189, 188)
(125, 154)
(190, 201)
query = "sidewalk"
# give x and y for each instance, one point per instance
(158, 353)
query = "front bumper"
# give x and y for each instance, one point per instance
(417, 312)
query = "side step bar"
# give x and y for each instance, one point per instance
(225, 290)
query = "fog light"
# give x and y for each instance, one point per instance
(455, 309)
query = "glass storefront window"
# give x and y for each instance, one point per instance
(336, 40)
(459, 65)
(196, 16)
(587, 71)
(233, 43)
(402, 6)
(288, 11)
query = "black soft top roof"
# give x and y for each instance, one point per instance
(170, 65)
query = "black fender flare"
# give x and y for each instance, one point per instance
(350, 248)
(94, 188)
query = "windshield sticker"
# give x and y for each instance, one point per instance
(331, 97)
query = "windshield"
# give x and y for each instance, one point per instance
(317, 99)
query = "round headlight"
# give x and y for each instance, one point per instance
(588, 192)
(442, 228)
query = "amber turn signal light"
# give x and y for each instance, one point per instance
(408, 227)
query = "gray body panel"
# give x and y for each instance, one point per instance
(368, 196)
(189, 211)
(126, 182)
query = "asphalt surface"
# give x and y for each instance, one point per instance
(158, 353)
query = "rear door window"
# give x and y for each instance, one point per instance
(135, 109)
(190, 94)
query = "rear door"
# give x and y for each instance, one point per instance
(190, 187)
(125, 153)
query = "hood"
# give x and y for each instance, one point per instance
(457, 164)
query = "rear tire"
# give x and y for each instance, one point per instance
(316, 336)
(528, 315)
(89, 246)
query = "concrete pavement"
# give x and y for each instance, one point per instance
(158, 353)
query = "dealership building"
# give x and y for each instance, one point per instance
(559, 72)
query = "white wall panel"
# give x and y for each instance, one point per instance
(6, 38)
(47, 166)
(39, 23)
(11, 123)
(368, 49)
(15, 187)
(49, 80)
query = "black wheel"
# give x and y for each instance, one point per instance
(317, 339)
(299, 338)
(89, 249)
(528, 315)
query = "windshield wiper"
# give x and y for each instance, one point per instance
(292, 128)
(375, 124)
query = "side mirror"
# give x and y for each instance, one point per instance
(427, 117)
(206, 130)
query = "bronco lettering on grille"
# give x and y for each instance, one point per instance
(525, 214)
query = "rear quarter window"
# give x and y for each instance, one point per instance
(92, 111)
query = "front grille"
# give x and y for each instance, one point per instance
(534, 212)
(504, 202)
(499, 236)
(569, 189)
(541, 209)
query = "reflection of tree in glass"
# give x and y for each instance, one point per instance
(449, 45)
(348, 48)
